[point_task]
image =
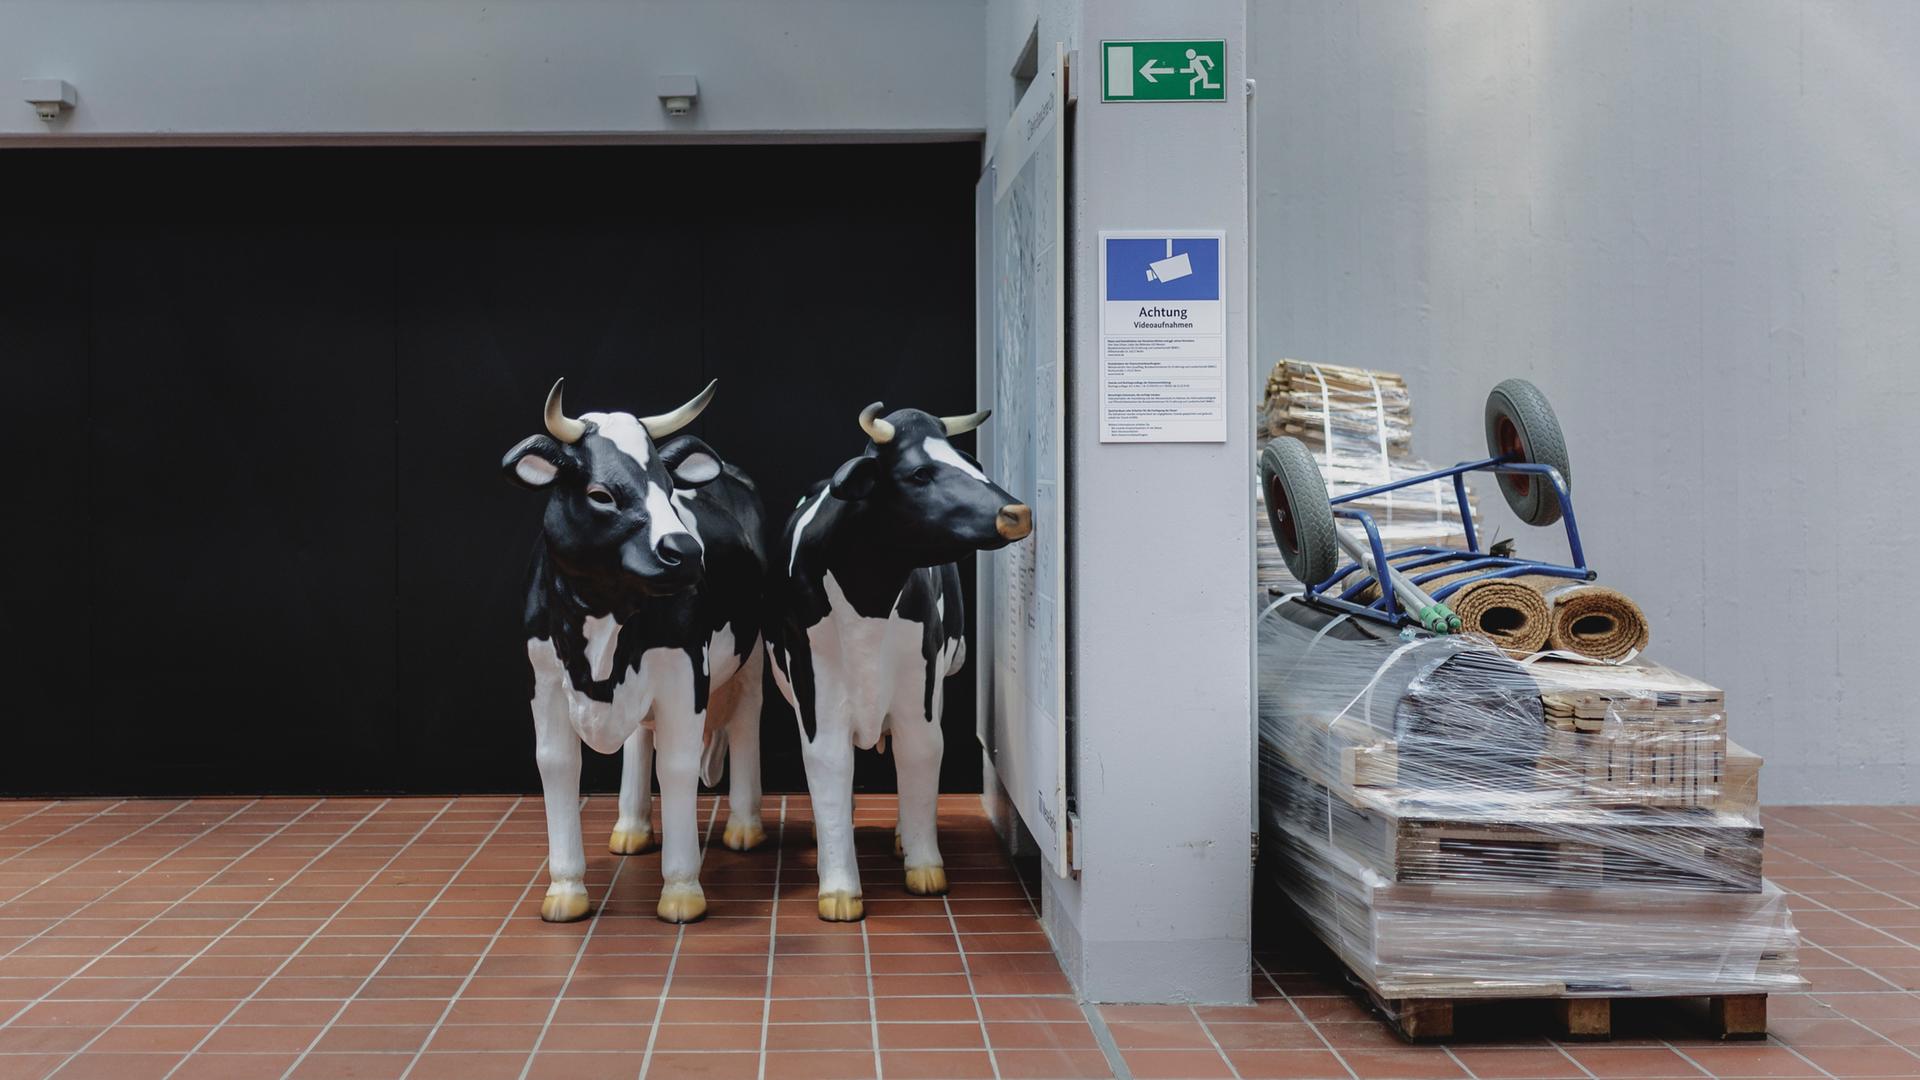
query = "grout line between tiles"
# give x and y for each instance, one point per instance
(196, 838)
(1104, 1038)
(679, 939)
(966, 968)
(130, 877)
(424, 908)
(90, 819)
(1302, 1014)
(773, 935)
(1207, 1030)
(579, 954)
(262, 842)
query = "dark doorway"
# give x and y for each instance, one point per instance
(258, 539)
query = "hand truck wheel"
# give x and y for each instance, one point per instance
(1522, 424)
(1297, 510)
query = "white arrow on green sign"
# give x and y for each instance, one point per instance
(1164, 70)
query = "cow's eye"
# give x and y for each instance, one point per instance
(600, 496)
(921, 475)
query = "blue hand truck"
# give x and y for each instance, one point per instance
(1527, 454)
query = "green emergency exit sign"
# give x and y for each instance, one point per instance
(1164, 70)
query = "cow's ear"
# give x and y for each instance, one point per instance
(535, 463)
(855, 479)
(690, 462)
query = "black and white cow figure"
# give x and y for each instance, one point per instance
(643, 623)
(867, 624)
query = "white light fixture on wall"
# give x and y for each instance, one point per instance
(677, 93)
(49, 96)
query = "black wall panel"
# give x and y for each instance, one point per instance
(268, 547)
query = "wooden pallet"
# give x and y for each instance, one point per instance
(1729, 1016)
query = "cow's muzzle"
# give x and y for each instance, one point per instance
(1014, 522)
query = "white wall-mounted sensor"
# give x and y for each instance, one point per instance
(677, 93)
(49, 96)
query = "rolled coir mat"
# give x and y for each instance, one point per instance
(1509, 612)
(1595, 621)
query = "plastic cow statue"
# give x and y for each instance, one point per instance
(868, 623)
(643, 627)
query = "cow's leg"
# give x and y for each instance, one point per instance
(678, 730)
(744, 831)
(917, 747)
(829, 760)
(557, 752)
(633, 830)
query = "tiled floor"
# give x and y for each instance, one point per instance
(379, 939)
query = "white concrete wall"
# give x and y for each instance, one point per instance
(1159, 567)
(1695, 225)
(376, 68)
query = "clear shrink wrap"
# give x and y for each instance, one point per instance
(1454, 822)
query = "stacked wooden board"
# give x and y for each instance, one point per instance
(1458, 826)
(1359, 425)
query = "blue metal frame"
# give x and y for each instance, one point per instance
(1439, 561)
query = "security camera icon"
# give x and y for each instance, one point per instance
(1172, 268)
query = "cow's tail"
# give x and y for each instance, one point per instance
(713, 758)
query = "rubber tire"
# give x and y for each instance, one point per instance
(1518, 410)
(1287, 468)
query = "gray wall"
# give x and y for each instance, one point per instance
(360, 68)
(1694, 224)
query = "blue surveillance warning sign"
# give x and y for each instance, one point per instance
(1163, 336)
(1163, 268)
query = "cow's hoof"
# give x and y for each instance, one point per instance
(630, 841)
(899, 851)
(682, 903)
(564, 903)
(744, 835)
(927, 880)
(841, 907)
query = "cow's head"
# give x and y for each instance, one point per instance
(610, 513)
(927, 498)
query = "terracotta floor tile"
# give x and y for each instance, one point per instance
(931, 1036)
(1615, 1063)
(1517, 1064)
(675, 1037)
(469, 1066)
(1287, 1065)
(1182, 1064)
(952, 1009)
(206, 1066)
(1424, 1063)
(936, 1065)
(1159, 1035)
(351, 1067)
(831, 1065)
(567, 1066)
(92, 1066)
(1749, 1061)
(820, 1037)
(705, 1066)
(1846, 1061)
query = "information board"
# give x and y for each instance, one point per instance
(1023, 346)
(1163, 336)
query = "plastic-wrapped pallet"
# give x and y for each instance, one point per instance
(1359, 425)
(1457, 824)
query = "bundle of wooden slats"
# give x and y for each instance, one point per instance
(1365, 412)
(1359, 425)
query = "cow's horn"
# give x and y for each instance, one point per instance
(559, 424)
(877, 429)
(667, 423)
(960, 425)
